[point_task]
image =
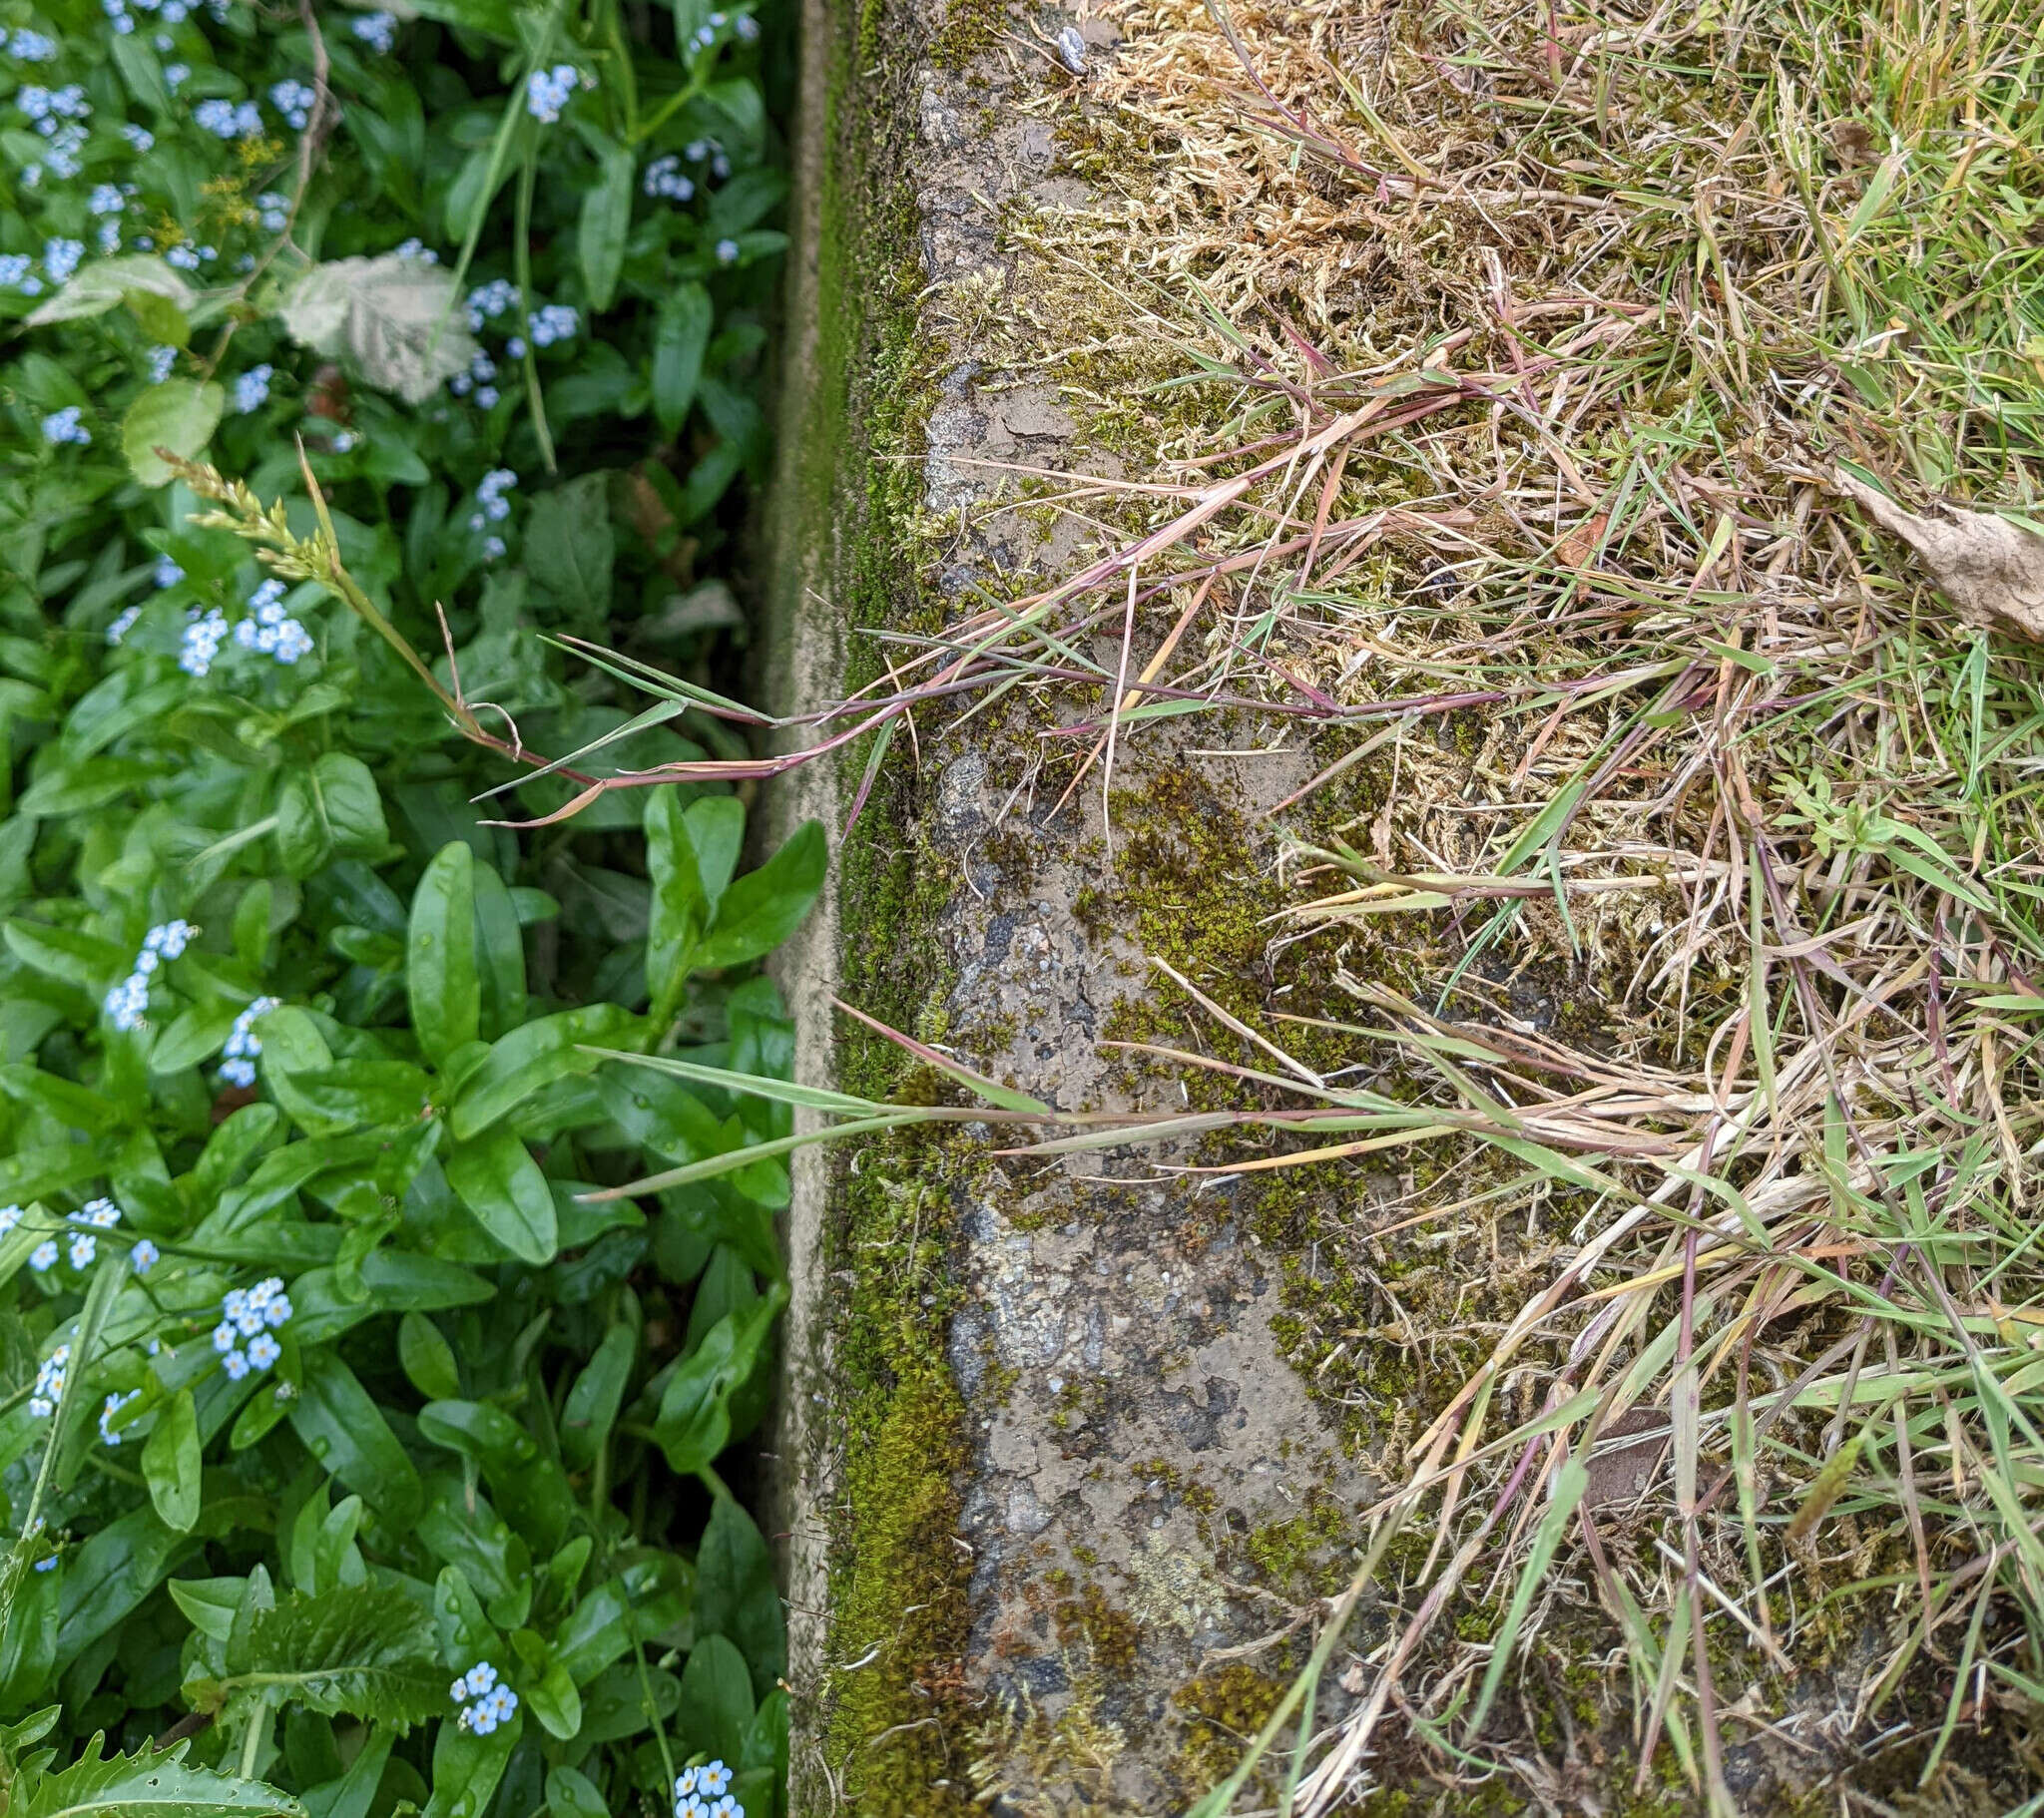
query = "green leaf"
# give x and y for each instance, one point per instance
(593, 1403)
(568, 546)
(736, 1594)
(159, 317)
(208, 1604)
(180, 415)
(346, 1431)
(440, 960)
(606, 216)
(529, 1059)
(170, 1463)
(364, 1650)
(679, 338)
(556, 1702)
(500, 955)
(680, 909)
(467, 1767)
(647, 1594)
(498, 1180)
(113, 1572)
(571, 1794)
(694, 1422)
(330, 807)
(763, 908)
(143, 1785)
(352, 1794)
(531, 1490)
(429, 1358)
(716, 1699)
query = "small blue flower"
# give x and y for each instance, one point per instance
(60, 258)
(295, 101)
(547, 91)
(123, 624)
(235, 1364)
(664, 178)
(109, 238)
(141, 138)
(727, 253)
(106, 199)
(204, 634)
(263, 1351)
(251, 389)
(145, 1255)
(488, 301)
(554, 323)
(32, 47)
(17, 273)
(49, 1375)
(42, 1259)
(379, 31)
(176, 75)
(162, 360)
(166, 573)
(62, 427)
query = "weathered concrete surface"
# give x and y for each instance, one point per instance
(1118, 1422)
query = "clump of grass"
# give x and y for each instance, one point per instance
(1602, 301)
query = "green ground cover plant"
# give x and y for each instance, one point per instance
(355, 1454)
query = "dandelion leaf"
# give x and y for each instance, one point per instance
(143, 1785)
(364, 1650)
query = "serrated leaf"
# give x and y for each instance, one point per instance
(364, 1650)
(143, 1785)
(388, 316)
